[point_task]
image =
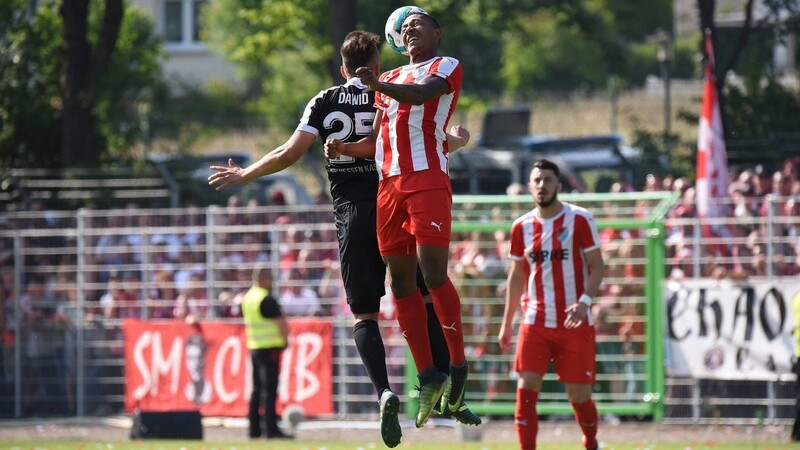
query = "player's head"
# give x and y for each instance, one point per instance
(262, 277)
(544, 183)
(421, 33)
(360, 49)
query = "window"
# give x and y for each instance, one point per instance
(182, 23)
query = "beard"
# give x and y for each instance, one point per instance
(546, 201)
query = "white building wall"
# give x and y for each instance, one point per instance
(188, 61)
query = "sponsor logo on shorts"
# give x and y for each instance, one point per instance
(438, 226)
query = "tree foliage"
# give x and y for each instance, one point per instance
(759, 108)
(29, 84)
(506, 46)
(286, 52)
(547, 54)
(32, 102)
(761, 105)
(282, 49)
(130, 82)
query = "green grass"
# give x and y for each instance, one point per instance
(420, 445)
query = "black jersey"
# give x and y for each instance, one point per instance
(345, 112)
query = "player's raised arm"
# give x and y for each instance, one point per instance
(414, 94)
(275, 161)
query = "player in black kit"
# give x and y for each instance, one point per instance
(346, 112)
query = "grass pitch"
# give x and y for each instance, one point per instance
(312, 445)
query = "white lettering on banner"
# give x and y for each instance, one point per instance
(156, 367)
(233, 346)
(158, 364)
(297, 358)
(728, 331)
(141, 365)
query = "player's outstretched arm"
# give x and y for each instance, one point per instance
(457, 137)
(515, 287)
(274, 161)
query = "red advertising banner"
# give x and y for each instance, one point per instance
(172, 366)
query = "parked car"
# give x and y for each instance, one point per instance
(188, 176)
(505, 155)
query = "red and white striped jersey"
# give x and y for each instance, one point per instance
(553, 251)
(413, 137)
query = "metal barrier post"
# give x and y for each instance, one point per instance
(341, 353)
(771, 400)
(655, 256)
(770, 235)
(80, 279)
(144, 312)
(696, 248)
(211, 258)
(18, 262)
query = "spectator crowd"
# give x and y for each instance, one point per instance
(191, 265)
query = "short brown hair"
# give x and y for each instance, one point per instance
(358, 49)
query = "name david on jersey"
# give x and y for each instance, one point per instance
(354, 99)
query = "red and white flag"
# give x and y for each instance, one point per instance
(712, 159)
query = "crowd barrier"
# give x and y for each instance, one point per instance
(71, 279)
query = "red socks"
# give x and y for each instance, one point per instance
(526, 420)
(586, 416)
(448, 307)
(412, 318)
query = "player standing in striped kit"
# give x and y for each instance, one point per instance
(414, 103)
(555, 269)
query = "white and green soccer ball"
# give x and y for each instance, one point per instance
(393, 24)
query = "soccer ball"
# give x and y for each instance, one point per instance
(393, 24)
(293, 415)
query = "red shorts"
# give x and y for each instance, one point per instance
(571, 350)
(414, 209)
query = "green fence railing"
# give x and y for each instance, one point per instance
(640, 217)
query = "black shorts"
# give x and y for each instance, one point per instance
(363, 270)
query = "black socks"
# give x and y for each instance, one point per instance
(370, 347)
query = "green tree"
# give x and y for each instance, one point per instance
(548, 54)
(763, 105)
(274, 44)
(128, 86)
(84, 65)
(29, 84)
(634, 19)
(41, 100)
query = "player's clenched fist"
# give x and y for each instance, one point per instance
(368, 77)
(333, 148)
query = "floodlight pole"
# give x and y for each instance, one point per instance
(665, 58)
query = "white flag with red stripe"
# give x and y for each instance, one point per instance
(712, 158)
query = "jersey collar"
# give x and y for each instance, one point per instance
(356, 81)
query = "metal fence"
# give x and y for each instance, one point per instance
(69, 278)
